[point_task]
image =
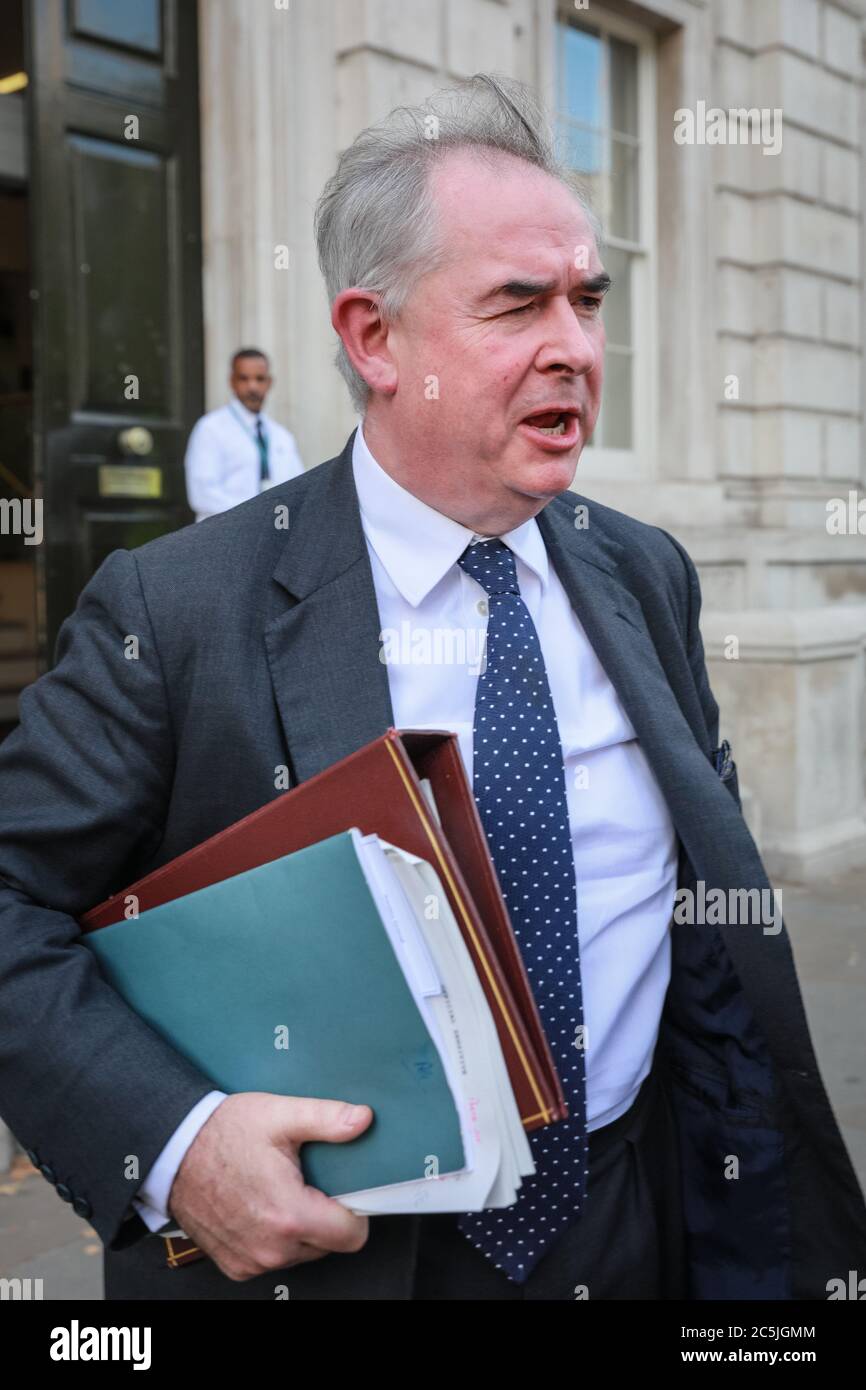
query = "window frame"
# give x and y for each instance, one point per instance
(640, 461)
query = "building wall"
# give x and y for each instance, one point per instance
(754, 422)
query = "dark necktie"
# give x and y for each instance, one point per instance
(262, 439)
(519, 787)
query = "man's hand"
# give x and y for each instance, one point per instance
(239, 1192)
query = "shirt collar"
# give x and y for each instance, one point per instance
(250, 416)
(416, 544)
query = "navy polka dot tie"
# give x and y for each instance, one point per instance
(519, 786)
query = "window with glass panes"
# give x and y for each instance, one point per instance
(598, 138)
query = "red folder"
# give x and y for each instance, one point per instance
(378, 789)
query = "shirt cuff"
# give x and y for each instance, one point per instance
(151, 1200)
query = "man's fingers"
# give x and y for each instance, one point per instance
(251, 1211)
(326, 1224)
(238, 1269)
(334, 1121)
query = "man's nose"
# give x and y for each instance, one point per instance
(567, 341)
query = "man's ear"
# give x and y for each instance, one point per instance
(357, 318)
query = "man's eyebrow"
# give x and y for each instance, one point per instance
(527, 289)
(597, 284)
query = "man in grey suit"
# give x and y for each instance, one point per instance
(466, 285)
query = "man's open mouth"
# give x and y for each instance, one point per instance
(554, 424)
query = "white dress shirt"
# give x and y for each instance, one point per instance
(223, 462)
(433, 619)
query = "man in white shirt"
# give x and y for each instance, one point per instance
(237, 450)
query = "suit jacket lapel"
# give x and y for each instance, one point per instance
(330, 687)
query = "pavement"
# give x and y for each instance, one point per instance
(42, 1238)
(827, 927)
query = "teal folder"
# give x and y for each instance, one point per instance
(283, 979)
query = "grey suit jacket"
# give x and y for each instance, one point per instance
(258, 646)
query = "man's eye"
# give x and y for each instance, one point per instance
(585, 301)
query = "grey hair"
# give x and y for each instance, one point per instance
(375, 221)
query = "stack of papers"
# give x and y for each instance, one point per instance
(422, 929)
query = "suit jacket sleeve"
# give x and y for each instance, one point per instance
(84, 784)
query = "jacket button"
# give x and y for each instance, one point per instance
(47, 1173)
(33, 1156)
(82, 1207)
(63, 1192)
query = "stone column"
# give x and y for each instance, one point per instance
(269, 114)
(788, 230)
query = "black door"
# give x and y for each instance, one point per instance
(116, 222)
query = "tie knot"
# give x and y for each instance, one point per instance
(492, 564)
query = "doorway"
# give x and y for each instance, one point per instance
(101, 355)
